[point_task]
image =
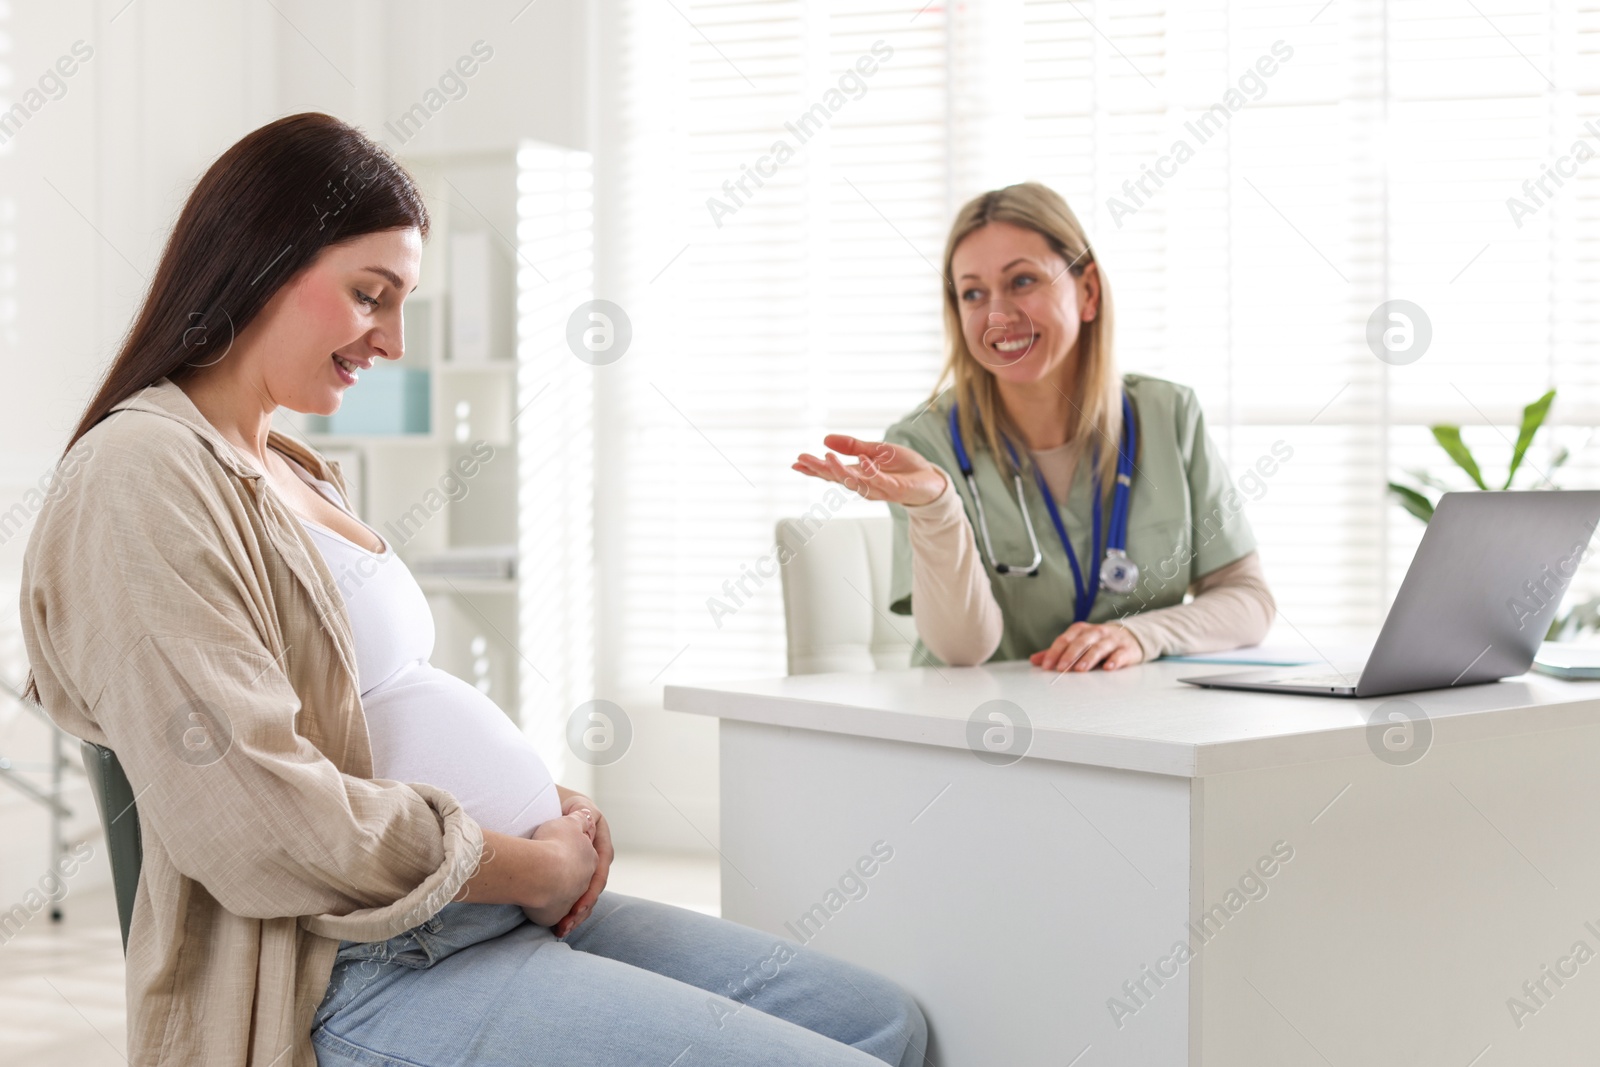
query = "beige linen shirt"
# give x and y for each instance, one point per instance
(175, 610)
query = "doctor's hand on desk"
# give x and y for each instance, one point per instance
(1083, 645)
(885, 472)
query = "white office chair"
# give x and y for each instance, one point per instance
(836, 597)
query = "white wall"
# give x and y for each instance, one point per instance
(99, 175)
(170, 85)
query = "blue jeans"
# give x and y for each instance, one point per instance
(636, 983)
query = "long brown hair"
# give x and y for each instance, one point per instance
(262, 212)
(1097, 385)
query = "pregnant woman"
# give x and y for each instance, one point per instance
(350, 856)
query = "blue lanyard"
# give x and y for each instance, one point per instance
(1116, 536)
(1083, 604)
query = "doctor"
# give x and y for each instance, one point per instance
(1044, 505)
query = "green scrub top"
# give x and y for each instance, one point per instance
(1185, 519)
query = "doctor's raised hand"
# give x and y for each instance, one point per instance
(888, 472)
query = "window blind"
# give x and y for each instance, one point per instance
(1361, 153)
(554, 428)
(784, 193)
(1336, 156)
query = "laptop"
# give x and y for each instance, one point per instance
(1481, 591)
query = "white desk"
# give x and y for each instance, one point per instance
(1021, 897)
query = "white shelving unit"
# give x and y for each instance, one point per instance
(410, 486)
(525, 217)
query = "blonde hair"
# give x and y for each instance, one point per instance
(1096, 383)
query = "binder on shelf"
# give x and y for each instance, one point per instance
(470, 303)
(420, 311)
(387, 400)
(484, 562)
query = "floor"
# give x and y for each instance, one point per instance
(61, 991)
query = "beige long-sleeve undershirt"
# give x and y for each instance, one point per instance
(960, 621)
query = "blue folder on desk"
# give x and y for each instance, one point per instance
(1254, 656)
(1559, 660)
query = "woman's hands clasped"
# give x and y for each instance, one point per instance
(885, 472)
(600, 838)
(578, 862)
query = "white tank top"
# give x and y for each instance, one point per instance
(426, 724)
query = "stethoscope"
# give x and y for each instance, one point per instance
(1118, 573)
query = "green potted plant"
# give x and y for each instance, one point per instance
(1414, 498)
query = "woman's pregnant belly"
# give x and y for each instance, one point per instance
(429, 726)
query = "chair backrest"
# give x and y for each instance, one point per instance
(114, 797)
(836, 597)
